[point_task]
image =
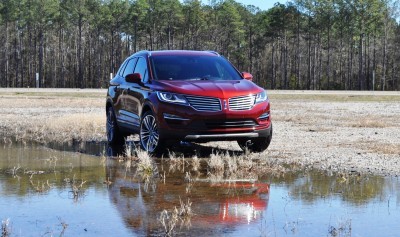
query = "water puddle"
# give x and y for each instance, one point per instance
(47, 192)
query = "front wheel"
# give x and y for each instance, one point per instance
(149, 135)
(259, 144)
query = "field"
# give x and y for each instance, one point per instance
(334, 131)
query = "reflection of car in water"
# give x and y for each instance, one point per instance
(245, 208)
(217, 206)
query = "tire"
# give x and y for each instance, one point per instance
(114, 136)
(259, 144)
(150, 140)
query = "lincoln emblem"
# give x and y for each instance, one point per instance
(225, 105)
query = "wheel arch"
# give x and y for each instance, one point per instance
(109, 103)
(147, 106)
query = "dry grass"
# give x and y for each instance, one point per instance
(195, 163)
(369, 123)
(179, 215)
(381, 148)
(344, 229)
(77, 191)
(335, 96)
(66, 128)
(64, 226)
(145, 164)
(146, 169)
(40, 186)
(84, 127)
(216, 162)
(169, 220)
(176, 162)
(60, 117)
(231, 166)
(5, 228)
(185, 212)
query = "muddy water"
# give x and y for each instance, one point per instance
(47, 192)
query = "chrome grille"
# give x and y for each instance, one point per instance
(201, 103)
(242, 102)
(230, 123)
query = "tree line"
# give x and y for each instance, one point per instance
(304, 44)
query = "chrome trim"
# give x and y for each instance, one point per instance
(223, 135)
(213, 52)
(230, 123)
(128, 114)
(241, 103)
(264, 116)
(174, 117)
(202, 103)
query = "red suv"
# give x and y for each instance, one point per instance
(186, 96)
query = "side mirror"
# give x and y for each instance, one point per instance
(247, 76)
(134, 78)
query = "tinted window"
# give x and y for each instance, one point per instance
(121, 69)
(141, 67)
(129, 67)
(189, 67)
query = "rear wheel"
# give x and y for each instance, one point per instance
(258, 144)
(149, 135)
(114, 136)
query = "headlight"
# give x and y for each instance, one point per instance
(261, 97)
(172, 98)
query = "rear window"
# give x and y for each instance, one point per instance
(192, 67)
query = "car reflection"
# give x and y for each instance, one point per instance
(218, 205)
(245, 206)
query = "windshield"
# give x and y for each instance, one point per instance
(193, 67)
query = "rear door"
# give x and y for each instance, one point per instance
(115, 90)
(124, 117)
(136, 93)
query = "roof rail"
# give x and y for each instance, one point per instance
(211, 51)
(142, 51)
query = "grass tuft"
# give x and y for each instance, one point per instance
(145, 164)
(216, 162)
(169, 220)
(77, 190)
(5, 228)
(195, 163)
(179, 215)
(231, 166)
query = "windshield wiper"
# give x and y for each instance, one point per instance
(204, 78)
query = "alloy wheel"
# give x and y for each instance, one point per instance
(149, 137)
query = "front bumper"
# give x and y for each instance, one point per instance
(184, 123)
(229, 136)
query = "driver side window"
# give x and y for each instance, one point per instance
(141, 67)
(129, 67)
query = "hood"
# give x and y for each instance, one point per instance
(213, 88)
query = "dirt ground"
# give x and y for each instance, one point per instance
(334, 131)
(338, 131)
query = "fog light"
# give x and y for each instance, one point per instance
(264, 116)
(174, 117)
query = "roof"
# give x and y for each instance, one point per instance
(179, 52)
